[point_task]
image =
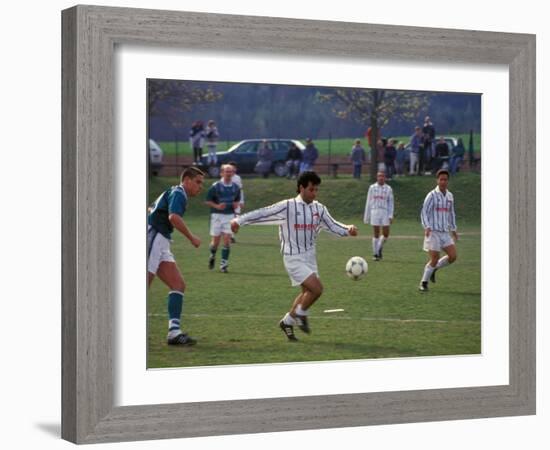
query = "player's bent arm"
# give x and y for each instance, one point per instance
(333, 226)
(214, 205)
(179, 224)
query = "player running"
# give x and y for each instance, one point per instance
(300, 219)
(223, 197)
(438, 218)
(165, 214)
(379, 213)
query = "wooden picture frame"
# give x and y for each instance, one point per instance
(90, 34)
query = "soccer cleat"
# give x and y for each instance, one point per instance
(303, 324)
(224, 269)
(375, 257)
(181, 339)
(432, 276)
(211, 261)
(288, 330)
(423, 286)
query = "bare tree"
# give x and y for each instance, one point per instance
(375, 108)
(172, 99)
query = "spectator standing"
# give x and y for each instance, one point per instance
(400, 159)
(293, 160)
(416, 148)
(441, 153)
(457, 156)
(196, 139)
(390, 153)
(265, 159)
(310, 156)
(428, 132)
(357, 158)
(368, 135)
(212, 136)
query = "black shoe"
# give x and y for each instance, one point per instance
(423, 286)
(224, 269)
(288, 330)
(432, 276)
(375, 257)
(181, 339)
(211, 262)
(303, 324)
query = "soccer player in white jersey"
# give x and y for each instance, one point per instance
(379, 213)
(300, 220)
(439, 222)
(165, 215)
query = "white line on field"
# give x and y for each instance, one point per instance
(334, 317)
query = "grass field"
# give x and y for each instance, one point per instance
(235, 316)
(338, 147)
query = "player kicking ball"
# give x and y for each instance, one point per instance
(439, 222)
(300, 219)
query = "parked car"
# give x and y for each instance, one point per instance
(155, 157)
(245, 154)
(451, 142)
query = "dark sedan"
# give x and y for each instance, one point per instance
(245, 154)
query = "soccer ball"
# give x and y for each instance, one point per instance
(356, 268)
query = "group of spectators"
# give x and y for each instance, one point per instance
(425, 155)
(429, 155)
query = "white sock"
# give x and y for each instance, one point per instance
(289, 320)
(444, 261)
(381, 241)
(374, 246)
(301, 312)
(428, 270)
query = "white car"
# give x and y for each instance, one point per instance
(155, 157)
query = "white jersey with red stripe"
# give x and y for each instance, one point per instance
(299, 223)
(380, 196)
(438, 211)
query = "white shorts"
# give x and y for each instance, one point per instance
(158, 250)
(437, 240)
(220, 223)
(301, 266)
(379, 217)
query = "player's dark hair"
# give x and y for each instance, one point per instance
(232, 163)
(442, 172)
(305, 178)
(191, 172)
